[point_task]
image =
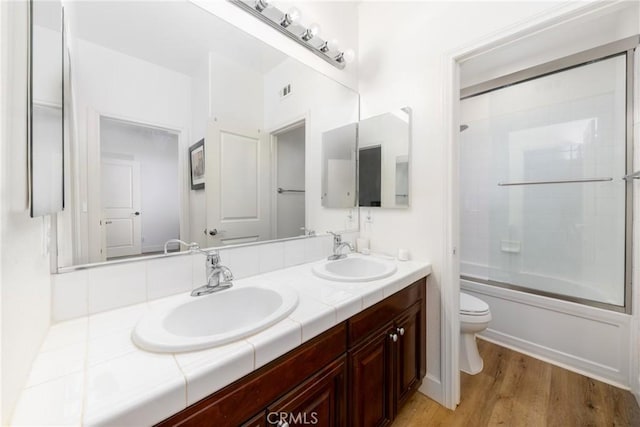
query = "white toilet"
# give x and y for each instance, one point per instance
(474, 317)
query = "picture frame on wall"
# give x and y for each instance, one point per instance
(196, 165)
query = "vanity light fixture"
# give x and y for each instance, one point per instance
(288, 24)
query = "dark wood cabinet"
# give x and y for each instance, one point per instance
(388, 365)
(319, 401)
(358, 373)
(371, 381)
(259, 420)
(409, 331)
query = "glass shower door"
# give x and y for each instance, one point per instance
(543, 202)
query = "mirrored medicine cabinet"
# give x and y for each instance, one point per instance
(45, 108)
(378, 150)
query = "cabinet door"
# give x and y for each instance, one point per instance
(319, 401)
(371, 381)
(409, 347)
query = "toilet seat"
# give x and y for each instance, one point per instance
(472, 306)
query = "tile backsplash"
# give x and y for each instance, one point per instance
(89, 291)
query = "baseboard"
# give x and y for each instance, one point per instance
(432, 388)
(566, 361)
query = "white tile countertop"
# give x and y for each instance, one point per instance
(89, 372)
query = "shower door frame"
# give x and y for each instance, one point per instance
(624, 47)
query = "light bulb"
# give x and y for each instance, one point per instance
(329, 45)
(261, 5)
(333, 44)
(349, 55)
(311, 32)
(291, 17)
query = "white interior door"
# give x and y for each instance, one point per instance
(237, 185)
(121, 207)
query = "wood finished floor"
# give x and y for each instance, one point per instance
(518, 390)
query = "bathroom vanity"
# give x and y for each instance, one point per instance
(358, 373)
(349, 354)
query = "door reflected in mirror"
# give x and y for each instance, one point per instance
(383, 160)
(152, 79)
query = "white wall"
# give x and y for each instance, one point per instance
(157, 153)
(404, 67)
(25, 294)
(116, 85)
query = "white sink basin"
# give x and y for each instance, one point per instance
(355, 269)
(215, 319)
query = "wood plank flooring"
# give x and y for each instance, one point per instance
(516, 390)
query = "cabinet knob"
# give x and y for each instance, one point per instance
(394, 337)
(400, 331)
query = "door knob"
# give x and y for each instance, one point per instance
(394, 337)
(400, 331)
(213, 232)
(136, 213)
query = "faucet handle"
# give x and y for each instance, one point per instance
(337, 238)
(213, 257)
(228, 275)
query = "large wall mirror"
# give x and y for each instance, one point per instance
(45, 108)
(384, 144)
(185, 127)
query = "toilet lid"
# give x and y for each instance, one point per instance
(472, 305)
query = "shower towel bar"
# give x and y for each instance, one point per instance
(566, 181)
(282, 190)
(635, 175)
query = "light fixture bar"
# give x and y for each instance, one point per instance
(273, 16)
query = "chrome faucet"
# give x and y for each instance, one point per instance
(338, 244)
(219, 277)
(193, 246)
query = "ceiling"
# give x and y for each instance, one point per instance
(173, 34)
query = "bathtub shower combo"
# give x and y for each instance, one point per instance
(546, 172)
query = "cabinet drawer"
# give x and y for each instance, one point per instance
(373, 318)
